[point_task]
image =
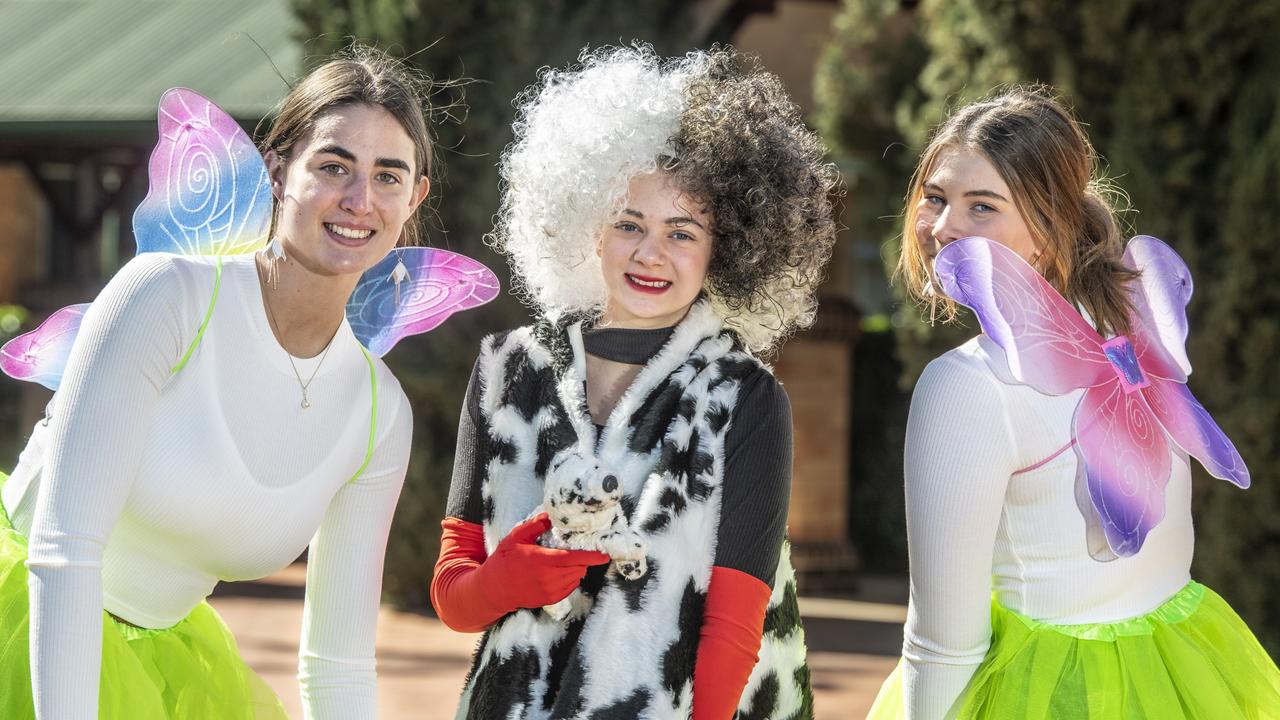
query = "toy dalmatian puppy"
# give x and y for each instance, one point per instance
(585, 506)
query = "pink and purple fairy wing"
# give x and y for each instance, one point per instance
(1134, 402)
(440, 283)
(40, 356)
(1159, 297)
(1124, 454)
(1191, 427)
(1126, 460)
(210, 193)
(1046, 343)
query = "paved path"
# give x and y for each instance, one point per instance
(422, 663)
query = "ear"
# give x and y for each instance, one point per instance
(276, 171)
(419, 193)
(600, 245)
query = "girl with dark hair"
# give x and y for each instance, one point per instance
(1048, 485)
(668, 221)
(216, 416)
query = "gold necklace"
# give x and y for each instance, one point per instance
(266, 301)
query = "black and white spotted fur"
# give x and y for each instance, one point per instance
(626, 648)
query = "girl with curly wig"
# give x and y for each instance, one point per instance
(668, 220)
(1048, 485)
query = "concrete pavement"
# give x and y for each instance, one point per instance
(421, 663)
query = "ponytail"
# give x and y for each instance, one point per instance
(1098, 279)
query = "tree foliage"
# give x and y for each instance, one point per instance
(1182, 102)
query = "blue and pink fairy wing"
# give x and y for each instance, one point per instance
(382, 312)
(1046, 343)
(209, 195)
(40, 356)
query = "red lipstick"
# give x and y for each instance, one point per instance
(651, 288)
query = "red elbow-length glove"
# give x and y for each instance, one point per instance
(729, 642)
(471, 591)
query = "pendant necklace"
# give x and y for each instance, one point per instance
(306, 404)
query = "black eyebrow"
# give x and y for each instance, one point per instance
(338, 150)
(392, 163)
(346, 154)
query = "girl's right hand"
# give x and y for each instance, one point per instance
(523, 574)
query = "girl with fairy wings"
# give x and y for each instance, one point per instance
(669, 221)
(1048, 484)
(222, 408)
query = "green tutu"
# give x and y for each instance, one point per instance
(1191, 658)
(191, 671)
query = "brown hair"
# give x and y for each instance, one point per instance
(1051, 168)
(359, 75)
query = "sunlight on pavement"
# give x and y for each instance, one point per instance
(422, 663)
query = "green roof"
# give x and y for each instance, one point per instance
(108, 61)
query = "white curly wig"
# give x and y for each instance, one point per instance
(581, 135)
(728, 136)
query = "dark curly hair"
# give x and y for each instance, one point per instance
(743, 149)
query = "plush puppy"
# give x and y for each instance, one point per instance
(584, 503)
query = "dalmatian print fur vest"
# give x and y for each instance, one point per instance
(626, 649)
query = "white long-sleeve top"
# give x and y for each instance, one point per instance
(990, 498)
(147, 487)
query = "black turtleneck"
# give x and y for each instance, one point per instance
(625, 345)
(757, 475)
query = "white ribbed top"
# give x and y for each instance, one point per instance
(976, 524)
(146, 487)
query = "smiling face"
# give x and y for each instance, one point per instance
(965, 196)
(346, 191)
(654, 255)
